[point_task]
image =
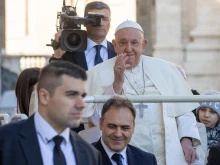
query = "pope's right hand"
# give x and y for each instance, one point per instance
(119, 69)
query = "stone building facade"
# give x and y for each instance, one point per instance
(186, 33)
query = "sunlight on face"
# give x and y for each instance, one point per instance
(130, 41)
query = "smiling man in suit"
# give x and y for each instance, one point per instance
(43, 138)
(117, 125)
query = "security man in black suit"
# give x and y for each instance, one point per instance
(117, 125)
(45, 138)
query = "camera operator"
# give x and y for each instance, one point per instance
(98, 48)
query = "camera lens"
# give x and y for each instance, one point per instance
(73, 39)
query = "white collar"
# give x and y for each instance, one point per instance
(136, 68)
(91, 44)
(47, 132)
(110, 152)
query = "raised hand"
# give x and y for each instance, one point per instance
(119, 69)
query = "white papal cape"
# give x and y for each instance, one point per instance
(168, 80)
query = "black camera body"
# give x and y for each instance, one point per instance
(72, 38)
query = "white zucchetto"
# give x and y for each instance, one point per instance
(127, 24)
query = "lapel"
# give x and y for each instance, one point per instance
(132, 156)
(29, 142)
(78, 148)
(111, 51)
(105, 158)
(151, 70)
(81, 60)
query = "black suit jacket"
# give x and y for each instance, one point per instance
(80, 59)
(19, 146)
(135, 156)
(213, 158)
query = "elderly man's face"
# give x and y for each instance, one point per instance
(130, 41)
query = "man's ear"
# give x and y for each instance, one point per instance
(144, 44)
(133, 127)
(100, 123)
(44, 96)
(114, 43)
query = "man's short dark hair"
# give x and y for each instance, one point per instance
(118, 102)
(95, 5)
(50, 75)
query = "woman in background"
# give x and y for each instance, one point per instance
(26, 84)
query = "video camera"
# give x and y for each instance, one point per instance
(72, 38)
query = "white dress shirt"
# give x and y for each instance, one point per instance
(90, 52)
(45, 135)
(110, 153)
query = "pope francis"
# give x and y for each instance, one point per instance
(168, 130)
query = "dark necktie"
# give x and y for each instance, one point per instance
(58, 157)
(98, 58)
(117, 158)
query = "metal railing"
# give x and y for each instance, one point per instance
(156, 99)
(138, 99)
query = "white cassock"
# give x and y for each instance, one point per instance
(158, 126)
